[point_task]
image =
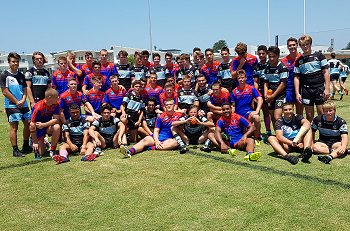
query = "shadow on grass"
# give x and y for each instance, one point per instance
(273, 170)
(25, 164)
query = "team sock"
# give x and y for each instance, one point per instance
(179, 140)
(133, 151)
(25, 143)
(15, 148)
(151, 147)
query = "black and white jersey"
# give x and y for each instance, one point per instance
(76, 129)
(329, 131)
(106, 128)
(39, 78)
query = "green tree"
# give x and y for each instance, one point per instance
(347, 47)
(131, 60)
(219, 44)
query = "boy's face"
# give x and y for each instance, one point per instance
(169, 106)
(193, 112)
(200, 61)
(216, 90)
(97, 69)
(114, 82)
(288, 111)
(72, 57)
(74, 113)
(145, 58)
(143, 85)
(329, 113)
(72, 85)
(13, 64)
(209, 56)
(103, 56)
(106, 114)
(168, 59)
(153, 78)
(89, 59)
(306, 47)
(170, 80)
(169, 90)
(262, 55)
(292, 46)
(62, 64)
(226, 110)
(187, 82)
(180, 63)
(273, 58)
(97, 83)
(151, 106)
(38, 61)
(202, 81)
(156, 60)
(241, 79)
(138, 60)
(137, 88)
(185, 62)
(225, 56)
(123, 59)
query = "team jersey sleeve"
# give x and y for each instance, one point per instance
(284, 74)
(86, 81)
(256, 93)
(57, 110)
(28, 75)
(158, 122)
(53, 81)
(220, 124)
(36, 115)
(86, 124)
(279, 124)
(314, 125)
(96, 124)
(105, 98)
(323, 60)
(3, 81)
(244, 122)
(343, 129)
(232, 98)
(234, 65)
(62, 103)
(65, 127)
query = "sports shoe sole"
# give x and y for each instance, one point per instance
(125, 151)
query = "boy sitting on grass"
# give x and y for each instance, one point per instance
(76, 134)
(237, 129)
(293, 134)
(333, 134)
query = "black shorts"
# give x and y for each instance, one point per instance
(343, 79)
(312, 96)
(193, 133)
(334, 77)
(277, 102)
(131, 122)
(294, 149)
(329, 144)
(108, 141)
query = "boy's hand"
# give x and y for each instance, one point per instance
(224, 148)
(39, 125)
(36, 147)
(20, 104)
(74, 148)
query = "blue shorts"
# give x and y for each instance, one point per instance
(290, 96)
(41, 133)
(16, 114)
(246, 114)
(164, 136)
(233, 142)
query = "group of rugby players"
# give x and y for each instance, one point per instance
(170, 106)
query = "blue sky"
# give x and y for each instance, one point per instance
(51, 26)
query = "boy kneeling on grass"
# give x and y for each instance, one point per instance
(333, 134)
(45, 118)
(76, 135)
(236, 130)
(293, 134)
(107, 131)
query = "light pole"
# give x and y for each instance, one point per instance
(268, 22)
(150, 28)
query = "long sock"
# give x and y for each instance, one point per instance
(207, 143)
(25, 143)
(64, 153)
(133, 151)
(249, 153)
(179, 140)
(15, 148)
(151, 147)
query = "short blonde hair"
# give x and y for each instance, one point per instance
(305, 38)
(329, 104)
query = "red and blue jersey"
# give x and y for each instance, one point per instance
(164, 123)
(43, 113)
(210, 72)
(67, 99)
(95, 99)
(86, 69)
(105, 82)
(249, 66)
(163, 98)
(60, 80)
(170, 70)
(219, 100)
(154, 92)
(233, 126)
(114, 97)
(109, 69)
(243, 98)
(290, 63)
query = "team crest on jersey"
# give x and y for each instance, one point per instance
(59, 76)
(166, 118)
(334, 126)
(69, 98)
(112, 93)
(35, 73)
(319, 124)
(301, 62)
(181, 93)
(237, 91)
(92, 95)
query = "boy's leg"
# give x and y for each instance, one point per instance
(309, 111)
(277, 146)
(13, 139)
(320, 148)
(55, 132)
(139, 147)
(101, 139)
(26, 133)
(333, 153)
(169, 144)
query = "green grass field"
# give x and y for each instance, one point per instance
(169, 191)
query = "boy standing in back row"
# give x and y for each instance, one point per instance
(14, 88)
